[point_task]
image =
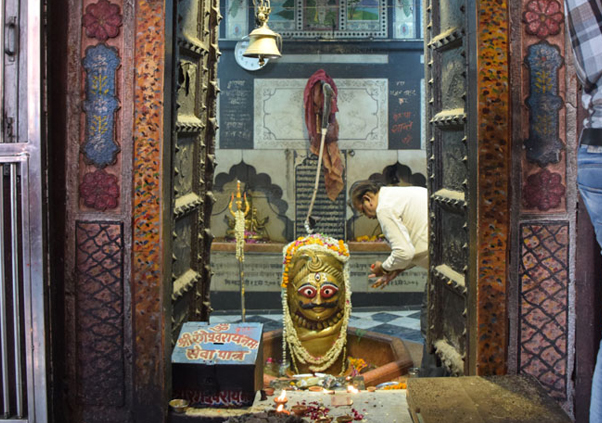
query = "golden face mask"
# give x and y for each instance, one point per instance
(317, 291)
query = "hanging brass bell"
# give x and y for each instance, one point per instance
(264, 44)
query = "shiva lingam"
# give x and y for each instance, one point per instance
(316, 302)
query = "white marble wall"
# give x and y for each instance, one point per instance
(263, 273)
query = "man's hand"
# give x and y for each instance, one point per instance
(377, 269)
(383, 276)
(384, 280)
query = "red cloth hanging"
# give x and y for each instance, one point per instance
(313, 102)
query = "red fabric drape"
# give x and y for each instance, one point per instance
(313, 102)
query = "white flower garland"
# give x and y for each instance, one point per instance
(289, 335)
(239, 232)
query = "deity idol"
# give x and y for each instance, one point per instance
(316, 302)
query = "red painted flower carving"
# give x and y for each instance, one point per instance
(543, 18)
(99, 190)
(102, 20)
(543, 190)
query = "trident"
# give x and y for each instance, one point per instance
(239, 231)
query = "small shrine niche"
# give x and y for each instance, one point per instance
(264, 208)
(255, 227)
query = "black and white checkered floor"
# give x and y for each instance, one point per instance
(403, 323)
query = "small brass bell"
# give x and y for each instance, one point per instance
(264, 44)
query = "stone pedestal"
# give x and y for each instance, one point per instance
(493, 399)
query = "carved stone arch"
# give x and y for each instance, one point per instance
(261, 182)
(402, 175)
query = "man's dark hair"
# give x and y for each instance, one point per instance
(361, 188)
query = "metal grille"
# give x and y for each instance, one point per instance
(23, 389)
(12, 292)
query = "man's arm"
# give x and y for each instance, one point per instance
(584, 21)
(387, 277)
(402, 249)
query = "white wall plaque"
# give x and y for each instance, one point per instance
(362, 116)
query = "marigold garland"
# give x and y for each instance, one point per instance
(358, 364)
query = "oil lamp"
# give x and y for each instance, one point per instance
(280, 409)
(281, 399)
(352, 389)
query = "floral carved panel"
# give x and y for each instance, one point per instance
(101, 63)
(543, 18)
(102, 20)
(544, 145)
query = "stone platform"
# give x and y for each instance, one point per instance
(382, 406)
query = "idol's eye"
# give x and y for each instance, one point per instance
(328, 290)
(307, 291)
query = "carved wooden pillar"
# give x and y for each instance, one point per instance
(151, 200)
(116, 301)
(494, 147)
(518, 195)
(98, 211)
(544, 195)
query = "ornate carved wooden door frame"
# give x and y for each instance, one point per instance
(468, 165)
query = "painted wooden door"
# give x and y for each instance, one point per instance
(193, 146)
(450, 168)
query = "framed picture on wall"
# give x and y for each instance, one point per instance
(362, 15)
(283, 15)
(237, 19)
(329, 19)
(405, 15)
(321, 15)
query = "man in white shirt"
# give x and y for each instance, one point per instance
(402, 213)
